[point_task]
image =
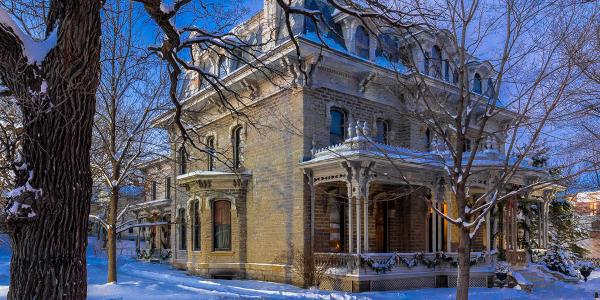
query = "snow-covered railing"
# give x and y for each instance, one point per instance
(360, 141)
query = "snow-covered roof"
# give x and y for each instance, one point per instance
(148, 204)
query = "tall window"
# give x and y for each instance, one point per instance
(210, 153)
(196, 225)
(337, 126)
(490, 87)
(153, 190)
(466, 145)
(167, 187)
(222, 66)
(362, 42)
(383, 128)
(182, 161)
(427, 140)
(455, 76)
(182, 230)
(436, 56)
(447, 70)
(477, 83)
(222, 225)
(237, 147)
(426, 63)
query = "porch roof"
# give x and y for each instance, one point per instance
(360, 146)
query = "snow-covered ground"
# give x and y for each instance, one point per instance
(139, 280)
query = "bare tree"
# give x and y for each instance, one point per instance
(129, 97)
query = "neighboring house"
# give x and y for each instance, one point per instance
(128, 196)
(587, 205)
(258, 196)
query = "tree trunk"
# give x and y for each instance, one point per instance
(112, 235)
(464, 264)
(49, 248)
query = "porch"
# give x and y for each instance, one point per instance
(372, 227)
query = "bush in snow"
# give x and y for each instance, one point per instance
(503, 267)
(585, 268)
(561, 261)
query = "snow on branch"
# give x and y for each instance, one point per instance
(34, 50)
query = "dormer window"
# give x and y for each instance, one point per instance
(362, 42)
(477, 83)
(388, 48)
(383, 129)
(222, 66)
(436, 57)
(337, 126)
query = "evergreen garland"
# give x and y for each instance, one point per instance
(418, 258)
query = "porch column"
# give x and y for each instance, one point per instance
(350, 203)
(311, 186)
(449, 234)
(488, 238)
(366, 223)
(358, 204)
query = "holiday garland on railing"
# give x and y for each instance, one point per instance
(143, 254)
(418, 258)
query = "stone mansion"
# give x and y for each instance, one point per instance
(313, 170)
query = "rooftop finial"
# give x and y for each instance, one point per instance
(366, 130)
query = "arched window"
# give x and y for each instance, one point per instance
(182, 230)
(362, 42)
(436, 57)
(222, 66)
(383, 128)
(210, 153)
(388, 48)
(222, 225)
(477, 83)
(207, 67)
(235, 60)
(337, 126)
(196, 225)
(237, 147)
(182, 161)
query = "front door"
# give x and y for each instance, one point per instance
(381, 228)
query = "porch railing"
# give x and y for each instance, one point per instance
(351, 263)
